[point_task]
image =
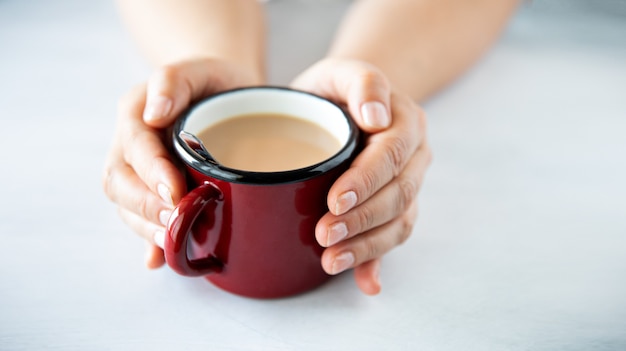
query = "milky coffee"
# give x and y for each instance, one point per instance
(268, 142)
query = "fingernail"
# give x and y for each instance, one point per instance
(165, 194)
(164, 217)
(159, 238)
(336, 233)
(345, 202)
(157, 107)
(342, 262)
(375, 114)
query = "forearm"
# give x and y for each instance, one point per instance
(174, 30)
(421, 45)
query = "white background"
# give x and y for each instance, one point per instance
(521, 242)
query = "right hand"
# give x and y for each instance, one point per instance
(140, 175)
(383, 180)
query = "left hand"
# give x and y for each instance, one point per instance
(373, 204)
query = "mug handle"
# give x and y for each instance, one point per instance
(179, 229)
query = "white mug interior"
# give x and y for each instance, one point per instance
(269, 100)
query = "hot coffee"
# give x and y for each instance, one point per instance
(268, 142)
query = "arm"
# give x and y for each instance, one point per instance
(170, 31)
(386, 55)
(420, 45)
(201, 47)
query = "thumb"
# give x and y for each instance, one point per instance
(171, 89)
(359, 85)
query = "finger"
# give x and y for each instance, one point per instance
(154, 234)
(367, 277)
(369, 245)
(383, 158)
(385, 205)
(143, 149)
(154, 257)
(362, 86)
(124, 188)
(171, 89)
(152, 163)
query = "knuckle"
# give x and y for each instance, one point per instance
(167, 73)
(164, 78)
(406, 229)
(371, 77)
(397, 150)
(137, 140)
(128, 101)
(141, 137)
(142, 206)
(405, 232)
(365, 77)
(154, 170)
(407, 189)
(365, 218)
(369, 180)
(422, 117)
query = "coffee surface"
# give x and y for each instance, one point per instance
(268, 142)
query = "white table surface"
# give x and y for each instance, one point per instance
(521, 242)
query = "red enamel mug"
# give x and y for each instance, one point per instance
(252, 233)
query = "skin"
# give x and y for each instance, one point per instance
(387, 55)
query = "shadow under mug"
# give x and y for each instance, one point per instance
(253, 233)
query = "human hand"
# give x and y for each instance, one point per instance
(140, 176)
(373, 204)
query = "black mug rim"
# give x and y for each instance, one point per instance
(232, 175)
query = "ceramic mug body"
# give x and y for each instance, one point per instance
(252, 233)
